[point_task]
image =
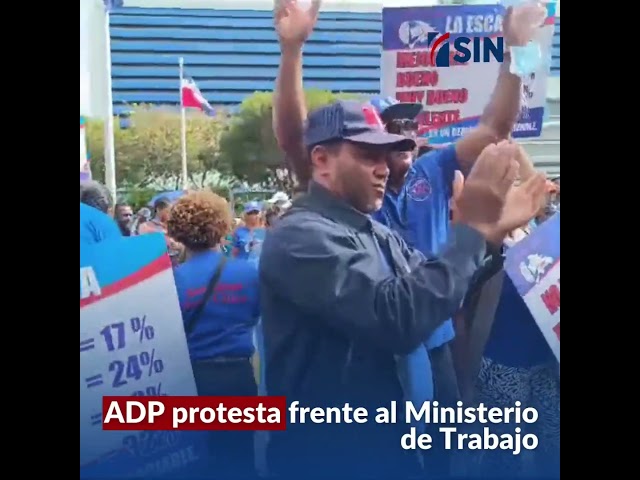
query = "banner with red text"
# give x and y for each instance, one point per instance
(455, 96)
(533, 264)
(132, 343)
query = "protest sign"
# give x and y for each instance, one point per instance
(533, 265)
(454, 96)
(132, 342)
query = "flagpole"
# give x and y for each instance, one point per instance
(109, 143)
(183, 130)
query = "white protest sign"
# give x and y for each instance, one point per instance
(132, 342)
(533, 265)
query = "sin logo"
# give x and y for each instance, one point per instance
(466, 49)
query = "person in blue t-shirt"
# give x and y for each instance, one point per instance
(219, 328)
(417, 200)
(96, 225)
(248, 239)
(399, 118)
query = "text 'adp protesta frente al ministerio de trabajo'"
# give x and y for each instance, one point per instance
(460, 427)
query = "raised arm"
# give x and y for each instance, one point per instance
(293, 25)
(502, 111)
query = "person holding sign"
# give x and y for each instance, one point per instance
(219, 302)
(513, 363)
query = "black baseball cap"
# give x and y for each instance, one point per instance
(391, 109)
(354, 122)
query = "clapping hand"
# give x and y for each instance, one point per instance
(489, 201)
(481, 200)
(293, 23)
(522, 203)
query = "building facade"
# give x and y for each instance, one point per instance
(233, 52)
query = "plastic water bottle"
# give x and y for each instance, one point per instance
(530, 15)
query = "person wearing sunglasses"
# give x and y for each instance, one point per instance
(404, 126)
(400, 118)
(416, 205)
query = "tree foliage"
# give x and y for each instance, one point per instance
(220, 151)
(149, 149)
(249, 145)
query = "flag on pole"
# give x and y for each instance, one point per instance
(109, 136)
(193, 98)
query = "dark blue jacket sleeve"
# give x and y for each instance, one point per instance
(332, 279)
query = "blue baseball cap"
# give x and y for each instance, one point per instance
(352, 121)
(391, 109)
(252, 207)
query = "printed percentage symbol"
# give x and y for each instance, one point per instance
(153, 365)
(144, 331)
(152, 391)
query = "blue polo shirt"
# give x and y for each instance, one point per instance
(420, 212)
(96, 226)
(425, 198)
(226, 326)
(393, 216)
(248, 243)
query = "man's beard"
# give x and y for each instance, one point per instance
(354, 191)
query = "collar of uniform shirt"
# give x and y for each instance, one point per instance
(324, 202)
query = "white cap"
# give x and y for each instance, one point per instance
(280, 199)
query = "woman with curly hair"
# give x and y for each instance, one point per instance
(220, 309)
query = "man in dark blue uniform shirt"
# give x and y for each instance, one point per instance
(417, 199)
(344, 298)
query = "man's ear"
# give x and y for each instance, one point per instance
(319, 157)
